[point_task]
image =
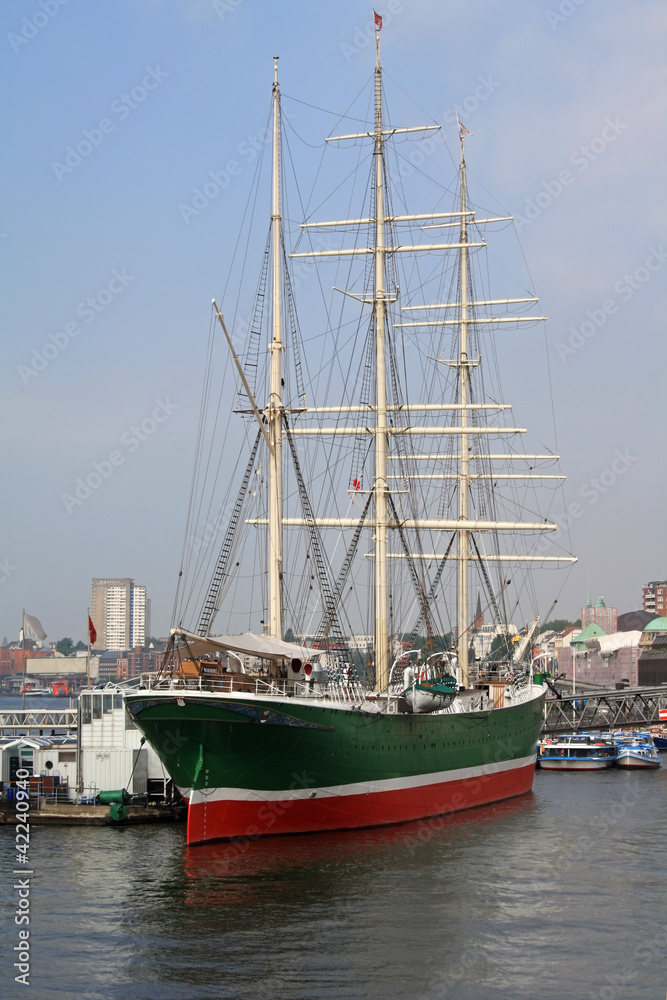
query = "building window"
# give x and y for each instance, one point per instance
(97, 706)
(86, 714)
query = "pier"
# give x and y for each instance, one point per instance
(51, 813)
(625, 709)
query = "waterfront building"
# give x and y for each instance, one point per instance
(123, 664)
(360, 643)
(550, 642)
(653, 653)
(601, 660)
(48, 667)
(591, 631)
(482, 639)
(120, 611)
(11, 657)
(654, 598)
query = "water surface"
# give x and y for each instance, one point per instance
(559, 894)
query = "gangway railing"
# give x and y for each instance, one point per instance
(28, 720)
(599, 710)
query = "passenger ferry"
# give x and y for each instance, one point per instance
(636, 751)
(576, 753)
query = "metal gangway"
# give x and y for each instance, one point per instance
(38, 722)
(628, 708)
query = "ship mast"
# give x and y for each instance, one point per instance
(464, 387)
(463, 526)
(274, 410)
(380, 485)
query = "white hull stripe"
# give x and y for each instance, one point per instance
(200, 795)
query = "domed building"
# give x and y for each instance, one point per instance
(652, 665)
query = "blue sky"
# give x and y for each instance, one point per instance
(107, 285)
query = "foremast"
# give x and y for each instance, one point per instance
(270, 420)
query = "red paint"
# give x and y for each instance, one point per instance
(225, 819)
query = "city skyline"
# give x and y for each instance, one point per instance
(597, 611)
(132, 159)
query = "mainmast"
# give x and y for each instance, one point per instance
(464, 387)
(380, 485)
(467, 319)
(274, 410)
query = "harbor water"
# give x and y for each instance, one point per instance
(558, 894)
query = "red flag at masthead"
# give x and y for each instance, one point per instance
(378, 20)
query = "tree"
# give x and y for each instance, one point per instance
(66, 646)
(558, 624)
(501, 648)
(440, 643)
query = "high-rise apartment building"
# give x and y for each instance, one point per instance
(654, 598)
(121, 613)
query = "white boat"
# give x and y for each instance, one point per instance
(425, 687)
(659, 736)
(576, 753)
(638, 755)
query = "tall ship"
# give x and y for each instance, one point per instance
(378, 515)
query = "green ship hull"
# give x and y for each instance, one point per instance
(251, 765)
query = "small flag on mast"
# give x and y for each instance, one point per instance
(32, 627)
(378, 20)
(462, 129)
(91, 631)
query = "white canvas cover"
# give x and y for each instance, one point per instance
(608, 644)
(264, 646)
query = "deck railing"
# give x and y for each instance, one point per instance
(342, 691)
(339, 691)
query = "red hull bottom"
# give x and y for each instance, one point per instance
(226, 819)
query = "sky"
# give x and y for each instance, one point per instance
(116, 114)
